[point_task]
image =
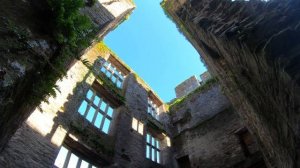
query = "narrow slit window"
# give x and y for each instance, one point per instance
(96, 111)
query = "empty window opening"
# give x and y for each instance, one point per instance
(137, 126)
(67, 159)
(152, 108)
(96, 111)
(184, 162)
(152, 148)
(115, 75)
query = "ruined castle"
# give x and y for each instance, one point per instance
(102, 114)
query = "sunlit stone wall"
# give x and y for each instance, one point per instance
(37, 142)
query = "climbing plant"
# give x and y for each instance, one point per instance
(72, 32)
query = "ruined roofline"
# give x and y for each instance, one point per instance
(175, 104)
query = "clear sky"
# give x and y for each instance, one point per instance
(153, 47)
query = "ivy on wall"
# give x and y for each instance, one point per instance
(72, 32)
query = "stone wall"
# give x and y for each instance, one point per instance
(23, 51)
(130, 145)
(27, 48)
(37, 142)
(205, 130)
(251, 47)
(108, 14)
(199, 107)
(187, 86)
(44, 131)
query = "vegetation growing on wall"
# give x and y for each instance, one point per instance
(69, 27)
(175, 104)
(103, 79)
(73, 32)
(104, 49)
(107, 83)
(95, 141)
(167, 6)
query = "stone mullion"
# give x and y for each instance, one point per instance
(97, 111)
(105, 67)
(90, 103)
(109, 69)
(150, 150)
(100, 111)
(67, 159)
(106, 110)
(78, 163)
(103, 118)
(118, 79)
(156, 150)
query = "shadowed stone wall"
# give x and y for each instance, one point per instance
(205, 130)
(252, 47)
(26, 48)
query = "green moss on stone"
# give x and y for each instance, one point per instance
(96, 142)
(175, 105)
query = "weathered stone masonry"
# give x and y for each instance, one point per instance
(58, 122)
(25, 44)
(204, 122)
(252, 47)
(205, 131)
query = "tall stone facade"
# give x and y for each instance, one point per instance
(60, 124)
(106, 116)
(27, 48)
(252, 48)
(70, 129)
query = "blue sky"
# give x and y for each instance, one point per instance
(153, 47)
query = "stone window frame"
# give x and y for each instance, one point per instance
(106, 112)
(153, 151)
(152, 108)
(68, 157)
(112, 72)
(138, 127)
